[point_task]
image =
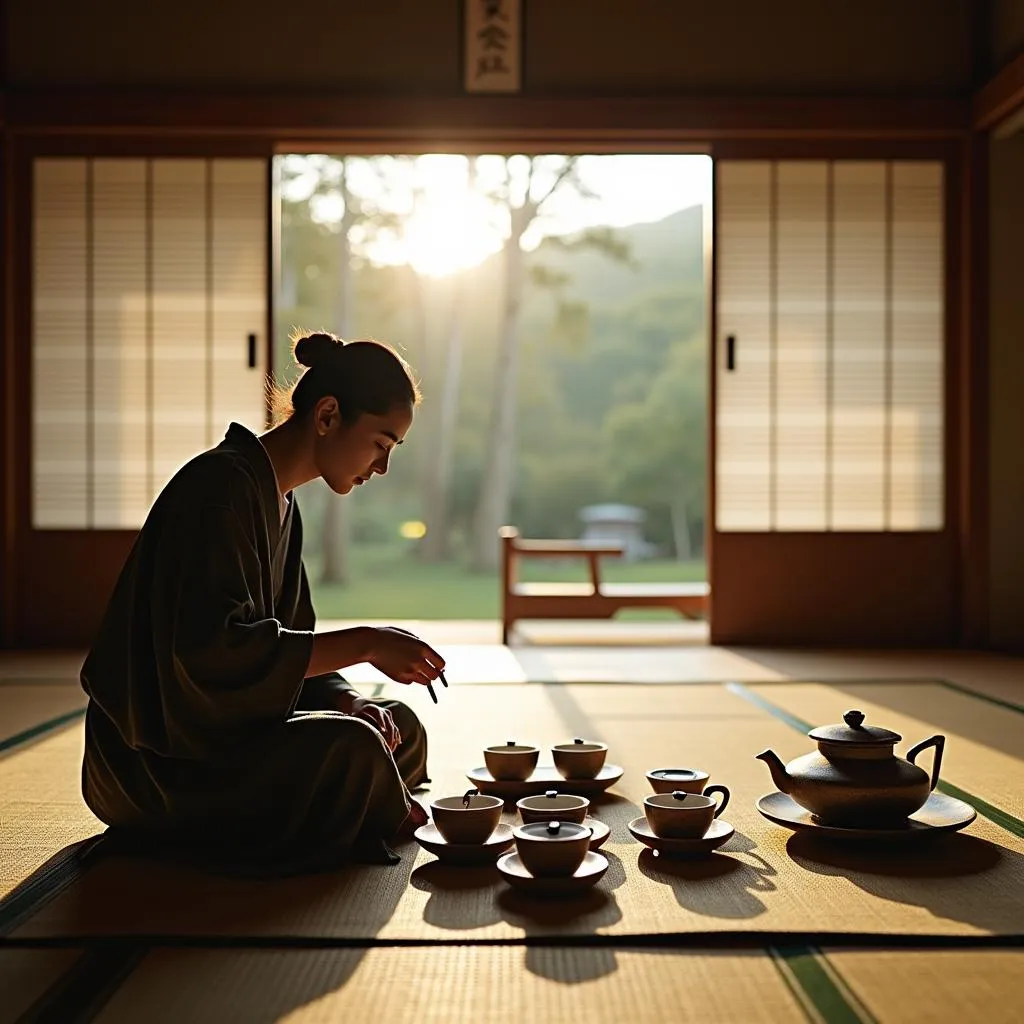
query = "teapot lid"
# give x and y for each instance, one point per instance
(854, 732)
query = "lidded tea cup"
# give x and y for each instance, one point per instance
(511, 761)
(580, 759)
(552, 848)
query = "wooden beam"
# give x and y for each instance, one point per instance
(972, 379)
(485, 121)
(1000, 97)
(12, 392)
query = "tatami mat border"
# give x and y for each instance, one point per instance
(817, 986)
(46, 882)
(41, 729)
(716, 940)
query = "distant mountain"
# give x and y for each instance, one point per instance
(667, 253)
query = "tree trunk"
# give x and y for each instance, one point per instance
(681, 526)
(429, 366)
(336, 532)
(438, 482)
(496, 488)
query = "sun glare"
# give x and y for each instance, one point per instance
(449, 232)
(448, 221)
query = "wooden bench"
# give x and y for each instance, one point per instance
(593, 600)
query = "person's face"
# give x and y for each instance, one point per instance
(348, 454)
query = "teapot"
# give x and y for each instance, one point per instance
(855, 779)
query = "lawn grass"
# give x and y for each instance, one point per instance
(389, 583)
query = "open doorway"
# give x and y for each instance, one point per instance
(554, 309)
(835, 508)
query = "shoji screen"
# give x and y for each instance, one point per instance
(830, 320)
(149, 326)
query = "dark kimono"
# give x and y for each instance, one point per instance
(201, 730)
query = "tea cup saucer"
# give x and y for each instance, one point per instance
(486, 852)
(719, 833)
(599, 832)
(588, 874)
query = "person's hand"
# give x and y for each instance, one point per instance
(404, 657)
(380, 718)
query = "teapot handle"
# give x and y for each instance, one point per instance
(938, 742)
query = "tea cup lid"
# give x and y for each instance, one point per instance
(552, 801)
(678, 799)
(677, 774)
(553, 831)
(588, 746)
(510, 747)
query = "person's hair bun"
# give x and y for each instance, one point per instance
(312, 349)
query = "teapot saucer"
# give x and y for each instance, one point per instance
(544, 777)
(486, 852)
(719, 833)
(588, 874)
(940, 814)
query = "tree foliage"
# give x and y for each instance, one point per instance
(612, 374)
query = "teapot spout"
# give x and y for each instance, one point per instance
(779, 774)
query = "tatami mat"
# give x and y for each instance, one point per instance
(1000, 676)
(984, 751)
(25, 974)
(454, 984)
(41, 806)
(764, 881)
(503, 983)
(475, 655)
(923, 986)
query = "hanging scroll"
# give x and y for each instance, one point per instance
(493, 45)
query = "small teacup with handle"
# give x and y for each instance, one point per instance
(682, 815)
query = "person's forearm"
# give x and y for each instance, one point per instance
(338, 649)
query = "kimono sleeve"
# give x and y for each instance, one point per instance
(235, 665)
(321, 691)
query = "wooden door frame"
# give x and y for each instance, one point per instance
(51, 122)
